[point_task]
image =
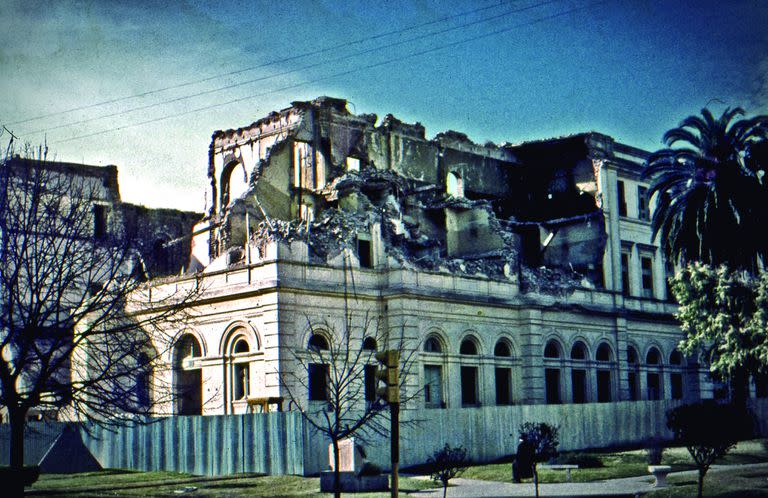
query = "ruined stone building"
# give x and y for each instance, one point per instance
(53, 215)
(519, 274)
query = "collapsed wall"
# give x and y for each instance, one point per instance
(336, 181)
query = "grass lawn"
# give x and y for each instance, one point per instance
(127, 483)
(620, 464)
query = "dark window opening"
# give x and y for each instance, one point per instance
(643, 212)
(646, 266)
(622, 199)
(603, 386)
(634, 387)
(503, 386)
(579, 351)
(654, 386)
(653, 357)
(676, 383)
(240, 373)
(370, 383)
(552, 351)
(318, 343)
(432, 345)
(552, 380)
(603, 352)
(468, 346)
(318, 382)
(468, 386)
(364, 253)
(99, 221)
(625, 273)
(502, 349)
(579, 383)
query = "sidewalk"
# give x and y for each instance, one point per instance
(628, 486)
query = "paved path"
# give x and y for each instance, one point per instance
(629, 486)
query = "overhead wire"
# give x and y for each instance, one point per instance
(291, 71)
(282, 60)
(338, 74)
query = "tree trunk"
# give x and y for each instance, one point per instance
(336, 471)
(536, 479)
(445, 488)
(16, 420)
(702, 473)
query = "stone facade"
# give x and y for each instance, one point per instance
(517, 274)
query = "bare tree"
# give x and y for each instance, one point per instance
(332, 383)
(77, 322)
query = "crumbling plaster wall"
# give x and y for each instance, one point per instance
(401, 185)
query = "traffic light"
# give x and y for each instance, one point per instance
(387, 373)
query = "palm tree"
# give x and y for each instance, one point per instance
(712, 191)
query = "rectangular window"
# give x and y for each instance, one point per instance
(318, 382)
(646, 267)
(579, 382)
(99, 221)
(433, 386)
(654, 386)
(625, 273)
(370, 383)
(634, 388)
(622, 199)
(364, 253)
(552, 380)
(643, 212)
(676, 383)
(503, 386)
(603, 386)
(468, 386)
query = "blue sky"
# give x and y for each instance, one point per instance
(519, 70)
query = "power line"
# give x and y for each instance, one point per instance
(336, 75)
(291, 71)
(259, 66)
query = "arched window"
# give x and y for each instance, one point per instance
(653, 377)
(503, 372)
(653, 357)
(603, 352)
(188, 379)
(633, 382)
(432, 345)
(579, 373)
(552, 372)
(433, 374)
(502, 349)
(468, 346)
(240, 373)
(676, 375)
(552, 350)
(469, 374)
(369, 344)
(579, 351)
(317, 343)
(603, 355)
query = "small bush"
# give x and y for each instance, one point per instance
(447, 463)
(583, 460)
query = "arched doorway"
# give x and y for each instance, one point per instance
(188, 376)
